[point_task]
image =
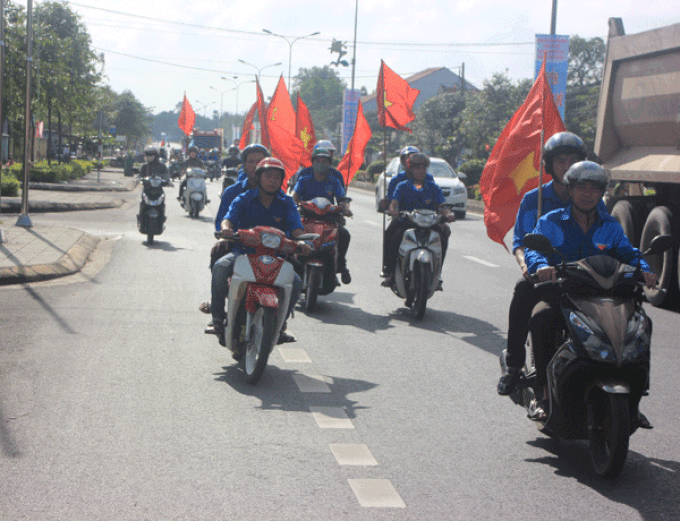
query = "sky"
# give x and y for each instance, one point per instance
(160, 49)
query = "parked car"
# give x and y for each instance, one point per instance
(446, 177)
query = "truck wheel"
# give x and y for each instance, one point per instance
(660, 222)
(630, 218)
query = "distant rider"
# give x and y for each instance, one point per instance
(153, 166)
(308, 172)
(191, 162)
(232, 160)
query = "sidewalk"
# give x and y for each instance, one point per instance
(45, 252)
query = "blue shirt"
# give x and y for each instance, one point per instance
(309, 188)
(605, 237)
(398, 179)
(409, 197)
(230, 193)
(526, 216)
(332, 172)
(241, 175)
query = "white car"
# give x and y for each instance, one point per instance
(446, 177)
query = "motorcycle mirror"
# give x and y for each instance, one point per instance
(344, 199)
(538, 242)
(659, 244)
(308, 237)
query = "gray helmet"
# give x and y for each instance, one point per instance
(192, 148)
(324, 143)
(586, 171)
(151, 151)
(233, 149)
(321, 152)
(562, 143)
(255, 147)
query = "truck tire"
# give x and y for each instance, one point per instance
(660, 222)
(631, 219)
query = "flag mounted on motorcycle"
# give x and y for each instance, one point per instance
(187, 117)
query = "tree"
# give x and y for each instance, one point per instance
(322, 90)
(437, 124)
(131, 117)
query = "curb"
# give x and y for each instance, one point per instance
(12, 205)
(69, 263)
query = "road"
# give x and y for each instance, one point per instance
(115, 405)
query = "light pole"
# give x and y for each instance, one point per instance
(290, 47)
(237, 87)
(259, 69)
(204, 106)
(222, 93)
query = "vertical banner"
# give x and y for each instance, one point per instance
(350, 103)
(556, 50)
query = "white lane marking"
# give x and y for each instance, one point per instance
(372, 222)
(331, 418)
(311, 383)
(294, 355)
(480, 261)
(353, 454)
(378, 493)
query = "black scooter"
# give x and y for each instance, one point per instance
(600, 369)
(151, 216)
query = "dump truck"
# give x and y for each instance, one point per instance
(638, 141)
(208, 139)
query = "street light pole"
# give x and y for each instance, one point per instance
(222, 93)
(24, 219)
(290, 47)
(260, 69)
(237, 87)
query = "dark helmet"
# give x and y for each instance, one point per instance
(270, 163)
(214, 151)
(192, 148)
(151, 151)
(321, 152)
(255, 147)
(562, 143)
(418, 159)
(233, 149)
(586, 171)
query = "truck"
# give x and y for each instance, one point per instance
(207, 140)
(638, 142)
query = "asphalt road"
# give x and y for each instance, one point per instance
(115, 405)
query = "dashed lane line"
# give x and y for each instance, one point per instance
(376, 493)
(353, 454)
(331, 418)
(294, 355)
(311, 383)
(481, 261)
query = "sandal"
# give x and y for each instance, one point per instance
(205, 307)
(643, 422)
(538, 408)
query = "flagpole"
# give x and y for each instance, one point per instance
(539, 209)
(384, 190)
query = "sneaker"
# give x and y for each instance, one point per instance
(440, 286)
(210, 329)
(508, 381)
(285, 337)
(387, 283)
(345, 276)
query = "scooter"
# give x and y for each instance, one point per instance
(195, 195)
(229, 176)
(419, 261)
(213, 169)
(151, 216)
(174, 169)
(321, 217)
(600, 369)
(259, 296)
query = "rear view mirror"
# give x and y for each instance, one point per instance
(659, 244)
(538, 242)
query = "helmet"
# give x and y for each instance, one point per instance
(418, 159)
(255, 147)
(192, 148)
(151, 151)
(214, 151)
(232, 149)
(562, 143)
(586, 171)
(270, 163)
(407, 151)
(324, 143)
(320, 152)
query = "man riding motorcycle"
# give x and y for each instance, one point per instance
(153, 166)
(232, 160)
(309, 171)
(580, 230)
(192, 162)
(267, 205)
(320, 184)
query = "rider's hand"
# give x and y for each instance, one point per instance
(451, 218)
(651, 279)
(347, 212)
(226, 233)
(305, 249)
(548, 273)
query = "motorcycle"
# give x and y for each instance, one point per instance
(195, 195)
(229, 177)
(419, 261)
(600, 369)
(259, 296)
(174, 169)
(213, 169)
(318, 270)
(151, 216)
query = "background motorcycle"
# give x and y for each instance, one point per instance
(151, 216)
(174, 169)
(195, 195)
(600, 370)
(229, 177)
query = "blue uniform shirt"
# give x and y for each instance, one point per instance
(241, 175)
(230, 193)
(309, 188)
(398, 179)
(332, 172)
(409, 197)
(605, 237)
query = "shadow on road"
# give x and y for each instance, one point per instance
(337, 309)
(161, 245)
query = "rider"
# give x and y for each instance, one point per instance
(232, 160)
(192, 162)
(416, 192)
(580, 230)
(267, 205)
(309, 171)
(153, 166)
(320, 184)
(562, 150)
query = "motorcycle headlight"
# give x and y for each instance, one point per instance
(591, 337)
(434, 239)
(637, 338)
(155, 182)
(269, 240)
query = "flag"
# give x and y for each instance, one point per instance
(395, 99)
(247, 127)
(512, 168)
(354, 157)
(262, 115)
(284, 144)
(304, 130)
(187, 117)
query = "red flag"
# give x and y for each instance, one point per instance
(247, 127)
(512, 168)
(262, 115)
(304, 130)
(395, 99)
(285, 145)
(187, 117)
(354, 157)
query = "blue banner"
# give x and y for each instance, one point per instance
(555, 48)
(350, 105)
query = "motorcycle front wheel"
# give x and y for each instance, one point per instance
(261, 342)
(312, 290)
(149, 238)
(608, 432)
(423, 280)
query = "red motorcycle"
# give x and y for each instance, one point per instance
(322, 218)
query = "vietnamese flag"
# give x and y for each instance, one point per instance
(395, 99)
(187, 117)
(262, 115)
(247, 127)
(512, 168)
(354, 157)
(304, 130)
(285, 145)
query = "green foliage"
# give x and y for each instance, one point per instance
(10, 185)
(376, 168)
(43, 172)
(321, 89)
(473, 169)
(438, 124)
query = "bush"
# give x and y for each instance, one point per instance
(474, 193)
(42, 172)
(473, 170)
(10, 185)
(376, 167)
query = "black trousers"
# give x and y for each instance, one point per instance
(343, 246)
(546, 326)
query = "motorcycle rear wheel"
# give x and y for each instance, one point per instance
(608, 432)
(261, 342)
(149, 238)
(312, 290)
(423, 281)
